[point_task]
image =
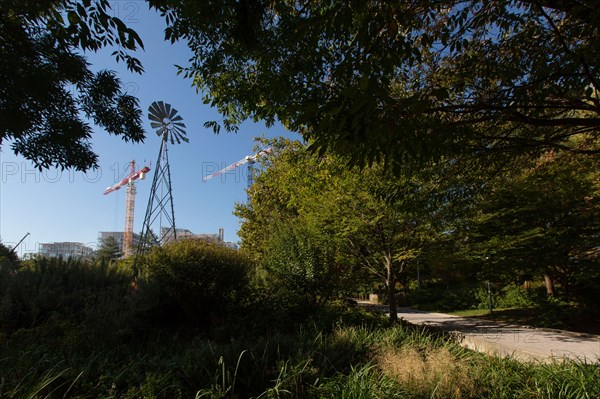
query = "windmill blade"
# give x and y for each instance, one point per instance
(155, 117)
(175, 133)
(159, 108)
(154, 108)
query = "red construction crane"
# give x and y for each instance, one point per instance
(129, 181)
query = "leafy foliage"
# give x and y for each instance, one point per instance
(377, 224)
(80, 347)
(47, 86)
(109, 249)
(196, 281)
(301, 265)
(543, 218)
(344, 361)
(8, 258)
(397, 81)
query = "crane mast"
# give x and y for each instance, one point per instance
(129, 181)
(129, 212)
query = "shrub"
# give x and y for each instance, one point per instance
(443, 299)
(197, 282)
(301, 267)
(515, 296)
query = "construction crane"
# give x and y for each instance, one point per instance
(14, 249)
(249, 159)
(129, 181)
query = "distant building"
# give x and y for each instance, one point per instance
(184, 234)
(118, 236)
(231, 245)
(65, 250)
(166, 234)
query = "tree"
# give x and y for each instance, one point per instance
(47, 85)
(395, 81)
(109, 249)
(8, 254)
(8, 258)
(301, 263)
(374, 221)
(288, 177)
(542, 219)
(386, 222)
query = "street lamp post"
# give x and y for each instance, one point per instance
(489, 286)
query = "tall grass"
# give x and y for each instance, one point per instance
(82, 351)
(347, 362)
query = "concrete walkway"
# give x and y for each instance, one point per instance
(520, 342)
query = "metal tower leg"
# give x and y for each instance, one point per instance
(160, 206)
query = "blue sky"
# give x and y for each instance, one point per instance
(56, 205)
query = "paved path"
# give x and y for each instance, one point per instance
(521, 342)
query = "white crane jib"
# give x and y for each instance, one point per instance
(250, 159)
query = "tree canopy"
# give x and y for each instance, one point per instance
(47, 85)
(538, 218)
(542, 218)
(109, 249)
(388, 80)
(375, 223)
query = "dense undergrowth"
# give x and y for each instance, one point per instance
(71, 329)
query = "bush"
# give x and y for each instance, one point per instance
(515, 296)
(301, 268)
(442, 299)
(197, 282)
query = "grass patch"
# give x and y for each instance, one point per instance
(470, 312)
(75, 331)
(346, 361)
(433, 373)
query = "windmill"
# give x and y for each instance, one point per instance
(160, 211)
(250, 160)
(129, 181)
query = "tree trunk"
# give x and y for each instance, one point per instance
(549, 285)
(391, 287)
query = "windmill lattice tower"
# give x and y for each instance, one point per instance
(170, 128)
